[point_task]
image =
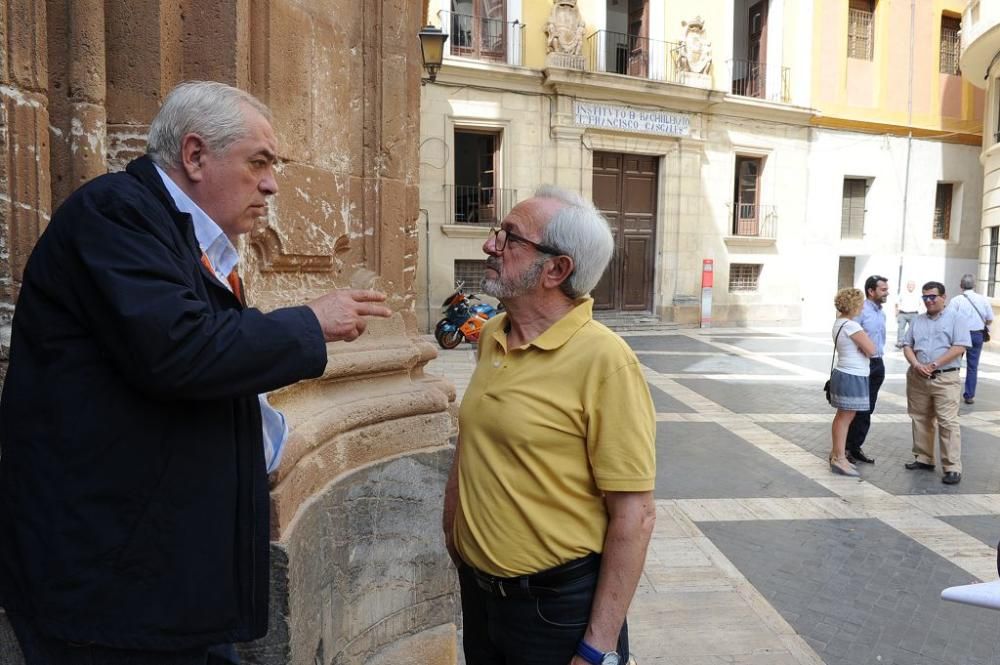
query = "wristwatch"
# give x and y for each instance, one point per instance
(595, 657)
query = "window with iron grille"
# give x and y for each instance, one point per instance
(470, 273)
(743, 277)
(479, 29)
(861, 29)
(476, 194)
(951, 45)
(942, 211)
(852, 215)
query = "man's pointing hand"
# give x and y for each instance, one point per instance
(342, 312)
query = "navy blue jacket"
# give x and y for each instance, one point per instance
(133, 493)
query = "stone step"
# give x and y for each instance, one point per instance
(628, 322)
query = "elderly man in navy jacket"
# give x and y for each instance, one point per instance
(135, 437)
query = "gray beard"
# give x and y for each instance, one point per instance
(515, 285)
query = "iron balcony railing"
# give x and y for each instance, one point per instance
(755, 221)
(619, 53)
(487, 39)
(471, 204)
(755, 79)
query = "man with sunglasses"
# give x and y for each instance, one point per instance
(933, 345)
(549, 506)
(872, 320)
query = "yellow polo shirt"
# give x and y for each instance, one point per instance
(545, 429)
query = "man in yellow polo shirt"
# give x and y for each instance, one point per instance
(549, 506)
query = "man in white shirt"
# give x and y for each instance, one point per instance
(977, 313)
(908, 306)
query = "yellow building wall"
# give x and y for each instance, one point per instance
(853, 92)
(718, 16)
(536, 15)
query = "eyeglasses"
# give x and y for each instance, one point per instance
(503, 235)
(930, 298)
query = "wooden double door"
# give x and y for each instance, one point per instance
(625, 193)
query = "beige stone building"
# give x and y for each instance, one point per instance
(979, 59)
(739, 134)
(355, 577)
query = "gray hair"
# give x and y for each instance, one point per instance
(968, 281)
(214, 111)
(580, 231)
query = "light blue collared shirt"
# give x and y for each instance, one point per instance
(872, 319)
(224, 257)
(931, 338)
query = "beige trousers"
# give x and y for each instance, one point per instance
(933, 405)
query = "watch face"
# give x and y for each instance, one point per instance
(610, 658)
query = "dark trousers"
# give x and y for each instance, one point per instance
(972, 364)
(41, 650)
(528, 625)
(862, 422)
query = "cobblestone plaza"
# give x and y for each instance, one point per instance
(761, 555)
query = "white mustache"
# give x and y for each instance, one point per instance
(493, 264)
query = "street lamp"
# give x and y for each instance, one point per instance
(432, 49)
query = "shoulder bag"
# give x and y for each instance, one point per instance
(826, 386)
(986, 327)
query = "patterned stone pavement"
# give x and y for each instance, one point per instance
(761, 556)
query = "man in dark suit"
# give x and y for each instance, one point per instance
(135, 435)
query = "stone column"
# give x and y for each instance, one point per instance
(25, 196)
(76, 94)
(145, 58)
(359, 574)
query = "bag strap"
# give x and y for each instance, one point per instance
(981, 317)
(834, 356)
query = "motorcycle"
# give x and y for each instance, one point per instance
(464, 317)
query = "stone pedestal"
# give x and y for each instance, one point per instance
(696, 80)
(565, 61)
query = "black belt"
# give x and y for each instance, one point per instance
(907, 312)
(544, 583)
(942, 371)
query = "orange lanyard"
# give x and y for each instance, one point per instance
(233, 278)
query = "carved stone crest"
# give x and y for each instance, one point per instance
(694, 54)
(565, 31)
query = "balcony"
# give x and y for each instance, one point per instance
(980, 38)
(485, 39)
(631, 55)
(753, 224)
(482, 206)
(755, 79)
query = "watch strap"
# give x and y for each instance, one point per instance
(589, 653)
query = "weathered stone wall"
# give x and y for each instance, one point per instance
(359, 574)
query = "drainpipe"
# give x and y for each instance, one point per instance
(909, 149)
(427, 265)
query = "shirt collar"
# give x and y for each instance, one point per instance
(212, 240)
(562, 330)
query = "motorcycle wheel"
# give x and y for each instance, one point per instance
(450, 339)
